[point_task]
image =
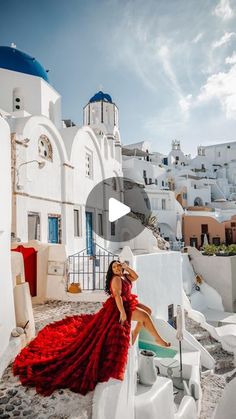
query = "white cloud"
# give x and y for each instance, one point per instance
(165, 57)
(223, 10)
(149, 55)
(197, 38)
(185, 103)
(231, 60)
(221, 86)
(223, 40)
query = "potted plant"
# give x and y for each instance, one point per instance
(232, 249)
(222, 250)
(209, 249)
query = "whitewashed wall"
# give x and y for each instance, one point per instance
(160, 279)
(220, 273)
(45, 100)
(7, 313)
(44, 188)
(104, 164)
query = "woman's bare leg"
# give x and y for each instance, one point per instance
(139, 325)
(142, 316)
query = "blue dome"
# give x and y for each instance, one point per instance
(98, 97)
(15, 60)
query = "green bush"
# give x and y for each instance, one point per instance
(212, 249)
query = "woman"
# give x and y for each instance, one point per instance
(79, 351)
(141, 313)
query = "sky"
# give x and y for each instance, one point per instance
(169, 65)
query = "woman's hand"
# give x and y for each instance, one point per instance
(124, 265)
(123, 317)
(132, 275)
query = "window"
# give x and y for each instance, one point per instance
(228, 146)
(33, 226)
(216, 241)
(218, 153)
(77, 231)
(150, 181)
(54, 228)
(45, 148)
(162, 183)
(113, 229)
(100, 224)
(171, 319)
(154, 203)
(193, 242)
(145, 176)
(88, 165)
(204, 228)
(156, 182)
(185, 195)
(114, 186)
(163, 204)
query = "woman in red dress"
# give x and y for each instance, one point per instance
(79, 351)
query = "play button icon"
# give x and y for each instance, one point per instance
(117, 209)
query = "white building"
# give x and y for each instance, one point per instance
(54, 165)
(138, 165)
(176, 156)
(7, 312)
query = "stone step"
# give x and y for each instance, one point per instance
(223, 364)
(201, 336)
(212, 346)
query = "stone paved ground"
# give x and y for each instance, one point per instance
(24, 402)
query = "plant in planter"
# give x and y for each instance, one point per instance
(209, 249)
(232, 249)
(222, 250)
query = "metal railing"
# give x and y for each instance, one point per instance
(90, 270)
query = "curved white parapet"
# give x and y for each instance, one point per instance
(187, 409)
(226, 407)
(194, 383)
(206, 359)
(225, 334)
(17, 268)
(156, 401)
(23, 308)
(115, 398)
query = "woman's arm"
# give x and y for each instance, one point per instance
(116, 290)
(132, 275)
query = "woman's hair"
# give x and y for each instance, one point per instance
(109, 276)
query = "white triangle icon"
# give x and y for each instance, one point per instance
(117, 209)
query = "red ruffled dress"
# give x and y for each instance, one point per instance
(79, 351)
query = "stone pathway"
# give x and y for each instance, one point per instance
(23, 402)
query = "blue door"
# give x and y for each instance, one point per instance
(52, 229)
(89, 233)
